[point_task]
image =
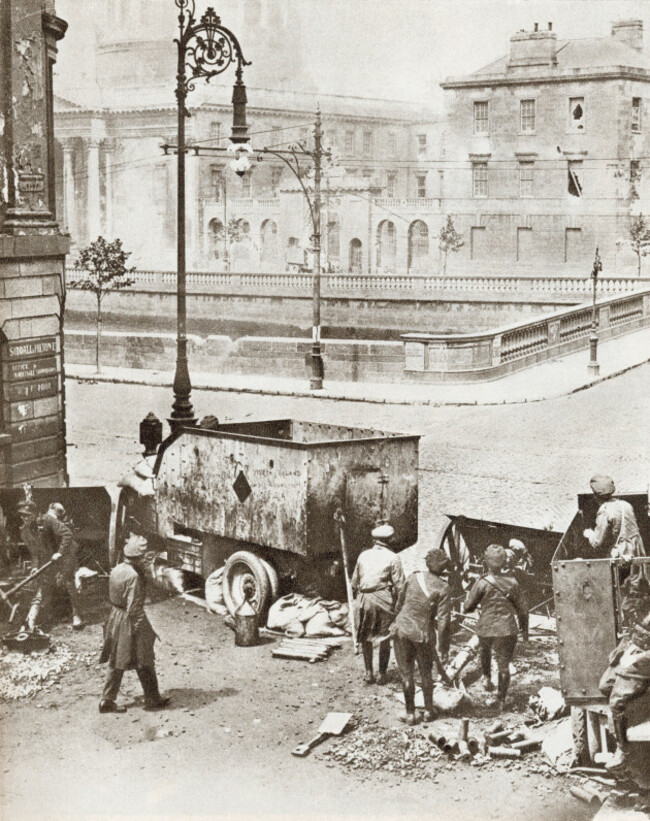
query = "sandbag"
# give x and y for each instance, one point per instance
(297, 616)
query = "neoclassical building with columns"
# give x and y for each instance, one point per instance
(116, 180)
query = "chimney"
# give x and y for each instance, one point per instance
(629, 32)
(533, 48)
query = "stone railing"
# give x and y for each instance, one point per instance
(490, 354)
(410, 286)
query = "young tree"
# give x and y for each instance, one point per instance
(640, 239)
(104, 266)
(450, 240)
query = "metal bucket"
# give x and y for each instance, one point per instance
(247, 633)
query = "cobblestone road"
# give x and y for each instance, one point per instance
(520, 464)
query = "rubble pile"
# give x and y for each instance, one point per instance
(406, 752)
(23, 676)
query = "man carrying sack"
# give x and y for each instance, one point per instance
(128, 635)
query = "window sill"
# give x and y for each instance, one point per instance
(527, 133)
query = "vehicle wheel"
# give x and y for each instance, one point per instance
(274, 581)
(244, 569)
(580, 739)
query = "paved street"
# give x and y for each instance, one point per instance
(521, 464)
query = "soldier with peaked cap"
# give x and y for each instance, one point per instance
(425, 600)
(128, 635)
(502, 606)
(616, 534)
(377, 581)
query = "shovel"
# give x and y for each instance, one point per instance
(334, 724)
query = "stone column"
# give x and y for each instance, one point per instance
(108, 190)
(69, 204)
(93, 211)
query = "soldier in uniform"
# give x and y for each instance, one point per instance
(128, 635)
(424, 602)
(51, 539)
(617, 535)
(377, 581)
(626, 678)
(502, 605)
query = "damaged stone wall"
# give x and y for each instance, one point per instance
(32, 251)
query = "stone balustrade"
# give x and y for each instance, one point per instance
(490, 354)
(569, 289)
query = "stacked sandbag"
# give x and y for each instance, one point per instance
(298, 615)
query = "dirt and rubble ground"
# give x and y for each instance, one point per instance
(225, 745)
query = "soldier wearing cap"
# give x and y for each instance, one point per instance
(377, 581)
(53, 540)
(502, 606)
(425, 600)
(128, 635)
(616, 534)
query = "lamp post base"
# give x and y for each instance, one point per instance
(593, 367)
(317, 369)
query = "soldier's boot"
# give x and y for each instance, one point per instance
(367, 649)
(149, 681)
(619, 759)
(384, 656)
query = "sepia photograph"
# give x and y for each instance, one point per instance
(324, 424)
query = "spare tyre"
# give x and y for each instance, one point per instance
(244, 571)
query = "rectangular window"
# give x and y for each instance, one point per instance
(390, 184)
(636, 114)
(524, 244)
(422, 145)
(215, 133)
(276, 173)
(526, 172)
(392, 144)
(217, 181)
(480, 179)
(367, 173)
(574, 179)
(481, 124)
(478, 242)
(577, 114)
(349, 142)
(635, 179)
(573, 251)
(246, 185)
(527, 116)
(367, 142)
(331, 139)
(421, 185)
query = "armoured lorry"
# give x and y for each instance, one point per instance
(271, 500)
(590, 622)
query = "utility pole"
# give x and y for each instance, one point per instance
(226, 237)
(317, 369)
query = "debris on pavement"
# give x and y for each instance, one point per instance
(23, 676)
(548, 704)
(558, 745)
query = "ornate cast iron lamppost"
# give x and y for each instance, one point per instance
(594, 367)
(205, 49)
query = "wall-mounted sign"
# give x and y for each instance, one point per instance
(31, 369)
(31, 183)
(24, 348)
(38, 389)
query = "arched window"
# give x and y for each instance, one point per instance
(418, 250)
(386, 247)
(356, 256)
(269, 242)
(216, 239)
